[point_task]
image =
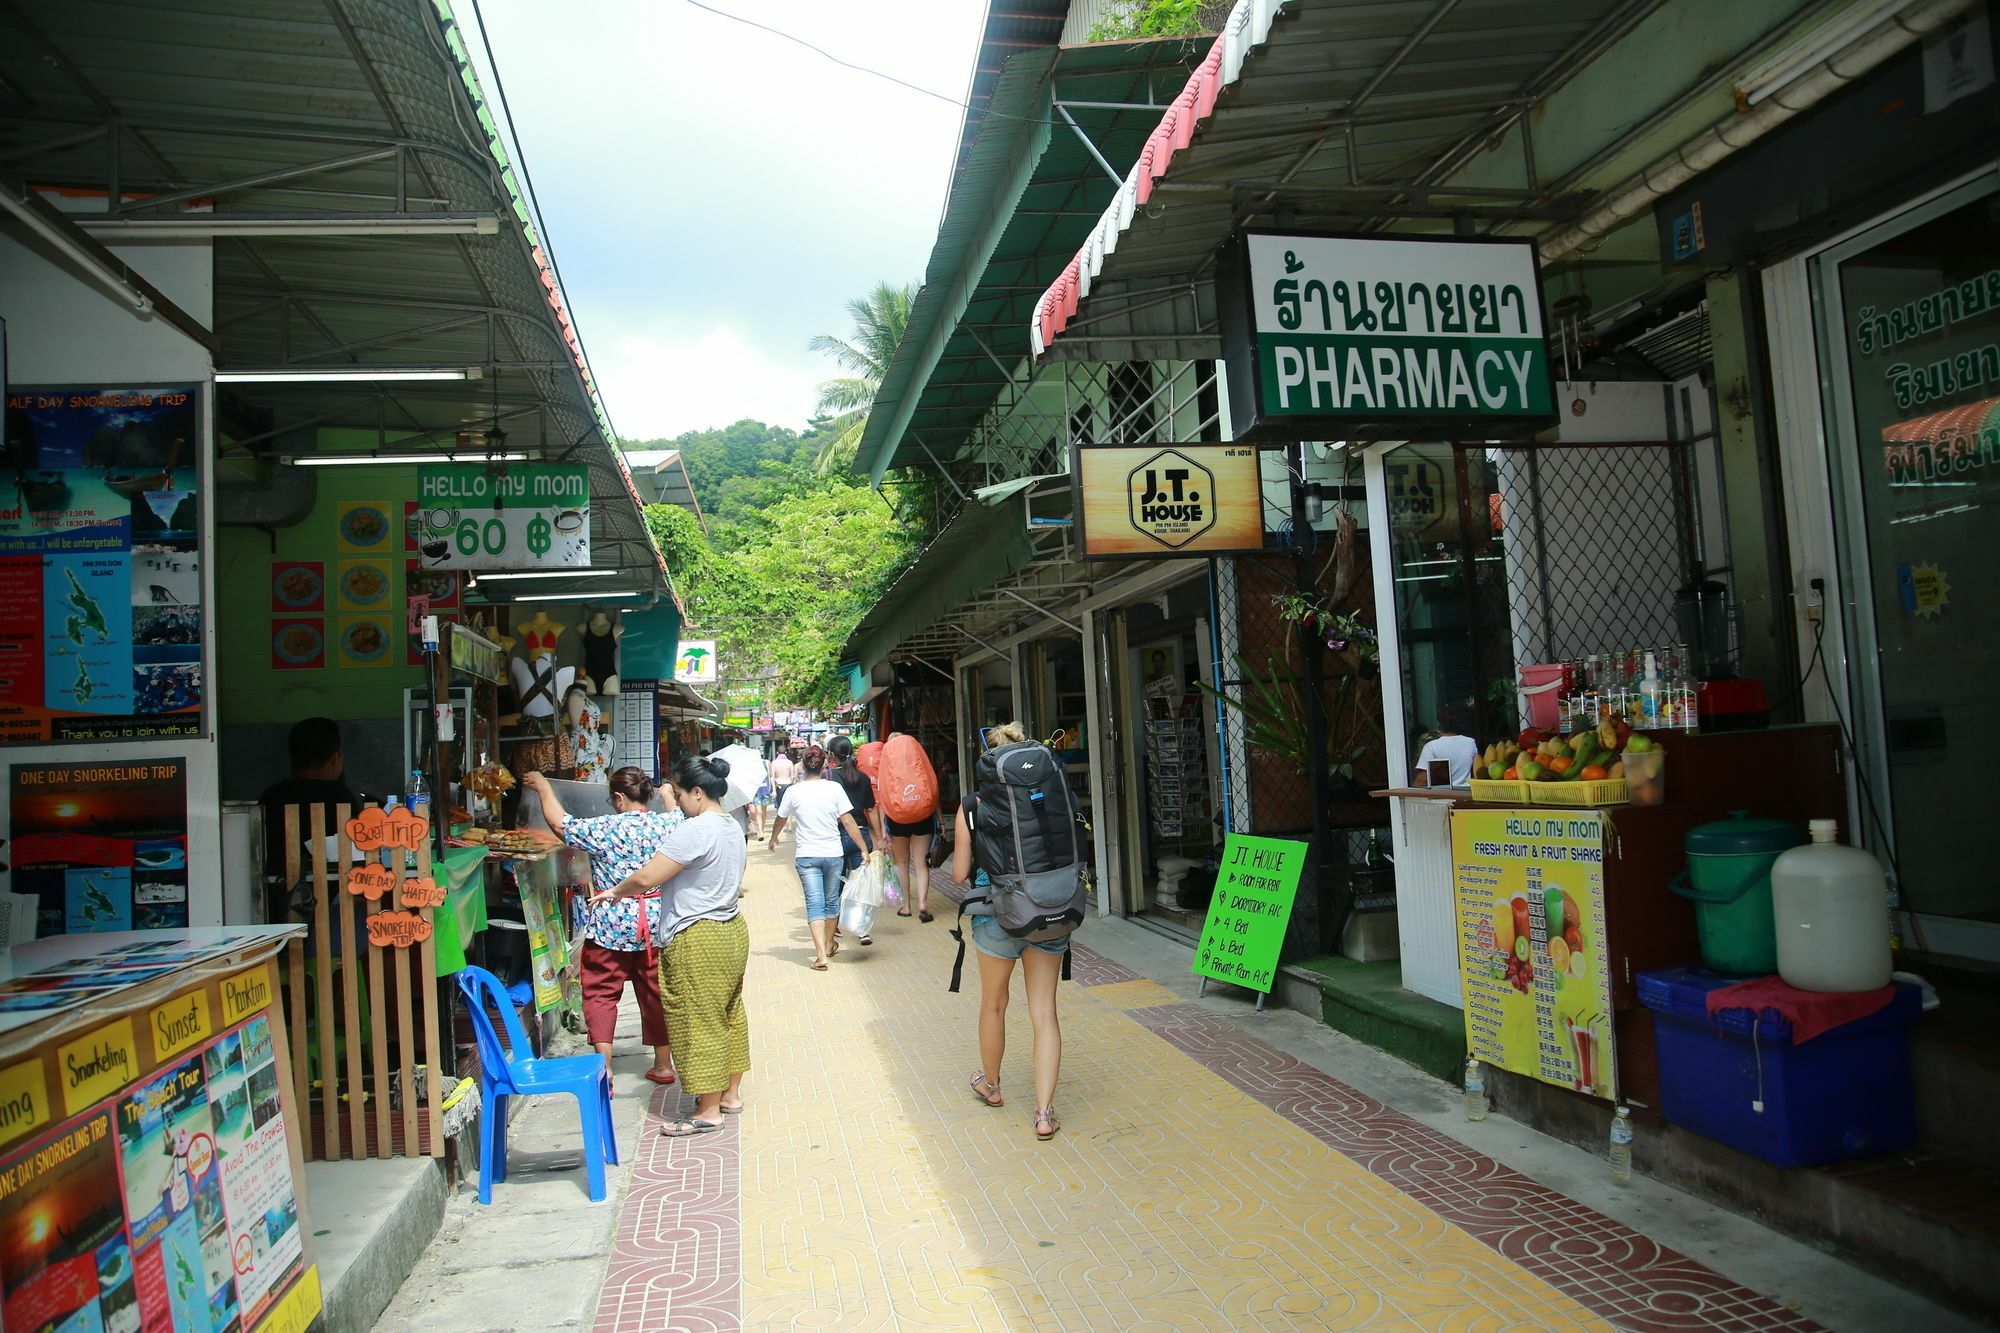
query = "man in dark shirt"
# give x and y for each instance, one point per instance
(317, 765)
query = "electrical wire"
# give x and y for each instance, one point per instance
(822, 52)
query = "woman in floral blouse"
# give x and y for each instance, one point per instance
(618, 938)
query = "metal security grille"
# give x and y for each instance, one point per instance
(1594, 541)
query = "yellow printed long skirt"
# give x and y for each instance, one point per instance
(701, 985)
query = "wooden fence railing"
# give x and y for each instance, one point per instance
(370, 1083)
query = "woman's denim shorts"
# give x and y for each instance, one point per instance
(821, 877)
(989, 939)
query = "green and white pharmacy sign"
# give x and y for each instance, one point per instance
(503, 516)
(1415, 336)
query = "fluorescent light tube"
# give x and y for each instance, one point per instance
(576, 596)
(355, 460)
(554, 574)
(1813, 46)
(338, 376)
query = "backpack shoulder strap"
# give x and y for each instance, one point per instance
(958, 964)
(1066, 953)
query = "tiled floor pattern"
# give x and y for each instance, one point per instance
(1202, 1179)
(676, 1259)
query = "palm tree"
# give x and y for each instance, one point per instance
(879, 320)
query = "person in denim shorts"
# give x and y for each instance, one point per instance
(1041, 963)
(820, 809)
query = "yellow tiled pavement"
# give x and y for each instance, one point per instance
(878, 1194)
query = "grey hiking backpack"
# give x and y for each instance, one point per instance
(1028, 840)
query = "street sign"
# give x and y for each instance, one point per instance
(1156, 500)
(503, 516)
(1360, 337)
(1247, 916)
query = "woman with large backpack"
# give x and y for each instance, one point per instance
(1041, 960)
(906, 787)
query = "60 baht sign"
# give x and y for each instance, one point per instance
(1161, 500)
(503, 516)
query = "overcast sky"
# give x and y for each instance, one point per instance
(715, 195)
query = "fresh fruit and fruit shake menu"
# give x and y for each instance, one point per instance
(1532, 969)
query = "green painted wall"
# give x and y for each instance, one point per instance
(251, 690)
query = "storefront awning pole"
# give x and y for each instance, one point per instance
(1069, 625)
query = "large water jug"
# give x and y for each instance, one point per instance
(1831, 905)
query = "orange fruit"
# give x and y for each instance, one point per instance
(1593, 773)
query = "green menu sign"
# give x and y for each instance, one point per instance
(1247, 916)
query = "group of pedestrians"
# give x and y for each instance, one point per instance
(663, 916)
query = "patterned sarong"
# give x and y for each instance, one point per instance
(701, 983)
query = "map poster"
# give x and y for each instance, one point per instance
(1530, 897)
(170, 1204)
(100, 565)
(102, 846)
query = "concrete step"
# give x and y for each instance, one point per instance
(1367, 1002)
(371, 1220)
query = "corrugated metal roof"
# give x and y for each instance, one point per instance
(1333, 113)
(1026, 194)
(216, 97)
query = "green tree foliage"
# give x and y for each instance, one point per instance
(791, 559)
(1134, 20)
(880, 319)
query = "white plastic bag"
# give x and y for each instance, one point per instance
(865, 884)
(856, 917)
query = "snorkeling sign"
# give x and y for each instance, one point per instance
(1245, 930)
(1344, 337)
(503, 516)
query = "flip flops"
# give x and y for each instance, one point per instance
(688, 1126)
(654, 1076)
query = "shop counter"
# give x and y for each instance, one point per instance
(149, 1177)
(1788, 773)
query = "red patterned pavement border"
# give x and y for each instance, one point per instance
(1606, 1266)
(677, 1260)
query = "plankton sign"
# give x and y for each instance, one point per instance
(503, 516)
(1344, 336)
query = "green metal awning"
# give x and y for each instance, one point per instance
(1028, 190)
(978, 548)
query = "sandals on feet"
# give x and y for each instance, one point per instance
(925, 916)
(1046, 1123)
(688, 1126)
(655, 1076)
(902, 911)
(733, 1110)
(819, 964)
(985, 1090)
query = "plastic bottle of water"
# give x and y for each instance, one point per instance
(419, 795)
(388, 853)
(1475, 1091)
(1621, 1145)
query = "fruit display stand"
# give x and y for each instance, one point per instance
(1787, 773)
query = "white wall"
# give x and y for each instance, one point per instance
(63, 327)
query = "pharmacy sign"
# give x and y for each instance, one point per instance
(1348, 337)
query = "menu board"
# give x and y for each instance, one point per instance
(636, 737)
(1531, 956)
(164, 1197)
(503, 516)
(100, 565)
(1247, 916)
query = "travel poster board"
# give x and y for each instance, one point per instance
(1529, 886)
(101, 846)
(1247, 916)
(100, 565)
(149, 1179)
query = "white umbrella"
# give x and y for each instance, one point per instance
(746, 774)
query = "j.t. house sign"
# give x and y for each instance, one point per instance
(1160, 500)
(1347, 337)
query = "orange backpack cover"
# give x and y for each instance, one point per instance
(906, 784)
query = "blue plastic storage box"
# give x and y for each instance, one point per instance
(1845, 1093)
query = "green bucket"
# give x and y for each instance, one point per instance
(1728, 880)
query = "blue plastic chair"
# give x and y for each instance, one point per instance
(512, 1071)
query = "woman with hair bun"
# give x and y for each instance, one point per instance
(617, 937)
(822, 812)
(705, 944)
